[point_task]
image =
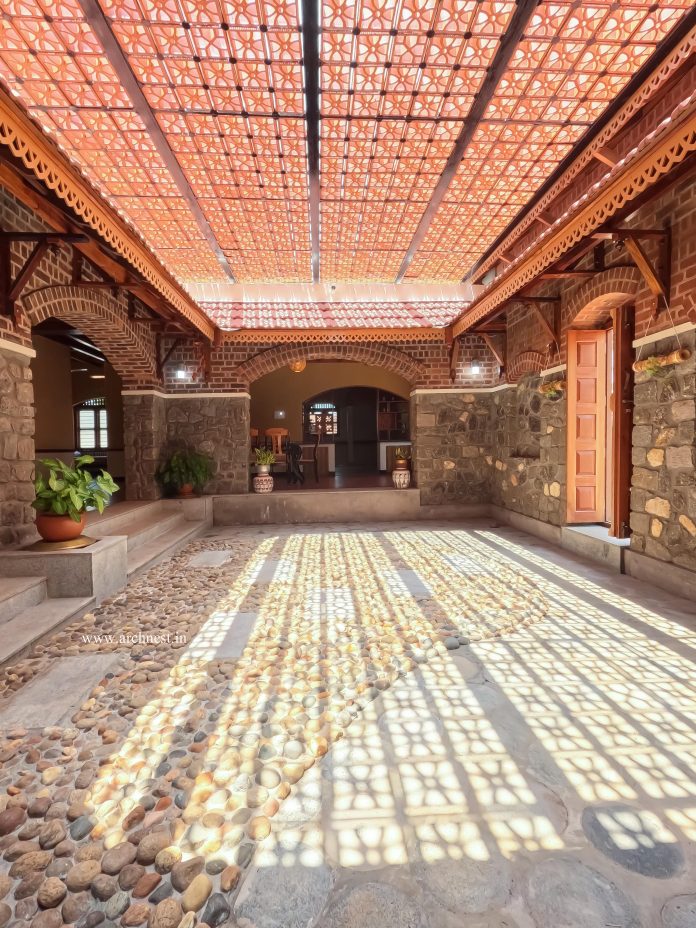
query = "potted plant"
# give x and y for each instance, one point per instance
(401, 475)
(186, 471)
(401, 458)
(263, 479)
(63, 497)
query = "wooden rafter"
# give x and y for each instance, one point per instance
(677, 48)
(607, 156)
(663, 156)
(29, 149)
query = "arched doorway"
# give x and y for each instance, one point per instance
(356, 392)
(78, 405)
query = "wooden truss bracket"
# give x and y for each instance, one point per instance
(535, 303)
(11, 289)
(454, 353)
(161, 359)
(498, 353)
(656, 276)
(204, 365)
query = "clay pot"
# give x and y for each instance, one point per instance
(400, 464)
(185, 490)
(58, 528)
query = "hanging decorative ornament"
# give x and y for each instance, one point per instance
(297, 366)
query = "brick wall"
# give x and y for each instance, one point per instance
(423, 363)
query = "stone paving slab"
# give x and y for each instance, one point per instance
(209, 559)
(53, 697)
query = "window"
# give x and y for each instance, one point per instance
(91, 425)
(322, 416)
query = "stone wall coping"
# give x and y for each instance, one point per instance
(7, 345)
(558, 369)
(189, 395)
(664, 333)
(425, 391)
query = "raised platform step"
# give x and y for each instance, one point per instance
(32, 624)
(309, 506)
(151, 552)
(141, 529)
(19, 593)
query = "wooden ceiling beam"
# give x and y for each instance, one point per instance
(524, 10)
(497, 353)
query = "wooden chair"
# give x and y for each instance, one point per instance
(312, 457)
(279, 437)
(254, 436)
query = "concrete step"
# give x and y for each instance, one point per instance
(151, 552)
(18, 594)
(144, 529)
(118, 516)
(32, 624)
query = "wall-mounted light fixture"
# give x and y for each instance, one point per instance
(297, 366)
(279, 414)
(181, 373)
(475, 369)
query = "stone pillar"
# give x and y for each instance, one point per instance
(217, 425)
(451, 433)
(144, 438)
(663, 486)
(528, 463)
(16, 444)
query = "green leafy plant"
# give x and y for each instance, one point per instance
(264, 456)
(652, 366)
(70, 489)
(402, 454)
(186, 467)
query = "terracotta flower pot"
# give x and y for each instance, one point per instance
(400, 464)
(58, 528)
(186, 490)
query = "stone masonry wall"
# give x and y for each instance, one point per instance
(663, 493)
(452, 436)
(527, 467)
(144, 436)
(218, 426)
(16, 448)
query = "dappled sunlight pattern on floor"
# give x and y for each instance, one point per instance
(398, 725)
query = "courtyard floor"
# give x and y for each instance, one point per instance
(404, 726)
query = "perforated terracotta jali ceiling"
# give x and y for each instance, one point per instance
(224, 85)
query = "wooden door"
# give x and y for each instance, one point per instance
(624, 324)
(587, 400)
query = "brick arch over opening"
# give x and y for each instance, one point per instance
(526, 362)
(127, 346)
(590, 305)
(376, 355)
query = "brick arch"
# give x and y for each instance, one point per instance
(127, 346)
(378, 354)
(526, 362)
(590, 305)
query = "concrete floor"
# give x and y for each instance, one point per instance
(403, 725)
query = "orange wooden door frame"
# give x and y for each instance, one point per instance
(623, 318)
(587, 402)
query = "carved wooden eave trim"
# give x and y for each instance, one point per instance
(645, 92)
(26, 142)
(416, 333)
(661, 151)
